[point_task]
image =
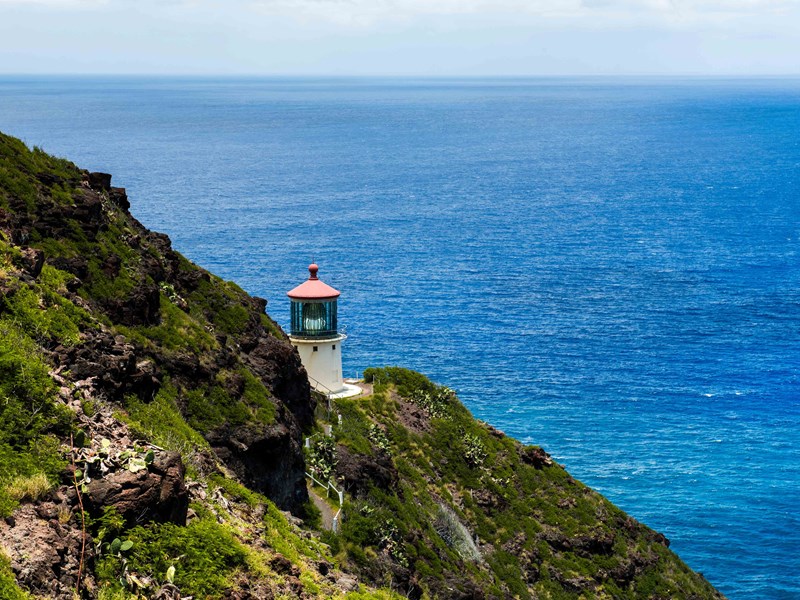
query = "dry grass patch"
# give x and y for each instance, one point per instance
(28, 488)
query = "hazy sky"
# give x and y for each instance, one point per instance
(401, 37)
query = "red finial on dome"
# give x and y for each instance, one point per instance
(312, 270)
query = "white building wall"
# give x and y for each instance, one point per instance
(323, 362)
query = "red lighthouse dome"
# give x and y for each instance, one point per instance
(313, 288)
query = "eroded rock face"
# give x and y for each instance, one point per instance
(44, 543)
(276, 363)
(32, 261)
(268, 460)
(536, 457)
(155, 494)
(359, 472)
(141, 307)
(114, 366)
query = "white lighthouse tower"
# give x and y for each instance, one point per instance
(315, 334)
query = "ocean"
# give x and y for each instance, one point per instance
(607, 268)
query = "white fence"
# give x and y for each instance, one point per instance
(337, 518)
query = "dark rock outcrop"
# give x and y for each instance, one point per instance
(277, 363)
(155, 494)
(141, 307)
(119, 197)
(269, 460)
(115, 366)
(359, 471)
(32, 261)
(535, 456)
(99, 181)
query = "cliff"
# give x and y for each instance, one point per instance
(151, 442)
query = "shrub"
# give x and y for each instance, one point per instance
(377, 435)
(474, 450)
(204, 554)
(436, 403)
(321, 457)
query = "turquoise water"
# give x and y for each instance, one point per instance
(607, 268)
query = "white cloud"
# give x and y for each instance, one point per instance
(598, 12)
(365, 12)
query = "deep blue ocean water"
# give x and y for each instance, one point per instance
(607, 268)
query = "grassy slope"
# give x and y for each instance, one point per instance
(540, 533)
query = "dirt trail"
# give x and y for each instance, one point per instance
(324, 508)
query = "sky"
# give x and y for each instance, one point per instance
(442, 38)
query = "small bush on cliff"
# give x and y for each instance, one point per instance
(377, 435)
(407, 381)
(321, 457)
(31, 487)
(474, 450)
(204, 554)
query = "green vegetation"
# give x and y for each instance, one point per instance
(30, 487)
(221, 303)
(177, 331)
(19, 168)
(161, 422)
(321, 457)
(204, 554)
(9, 590)
(540, 532)
(30, 419)
(45, 316)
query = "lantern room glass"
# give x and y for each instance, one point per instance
(314, 319)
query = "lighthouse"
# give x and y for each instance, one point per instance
(315, 334)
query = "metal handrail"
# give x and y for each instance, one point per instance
(337, 518)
